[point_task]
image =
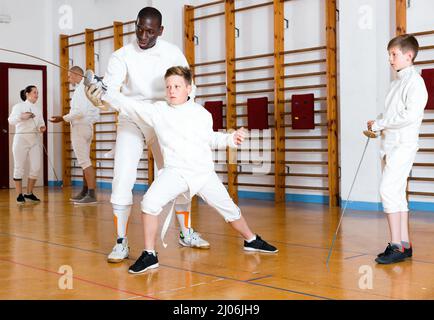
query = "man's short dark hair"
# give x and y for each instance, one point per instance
(150, 12)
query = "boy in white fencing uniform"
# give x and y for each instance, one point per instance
(399, 126)
(137, 70)
(29, 124)
(81, 117)
(184, 131)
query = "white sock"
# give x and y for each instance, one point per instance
(250, 240)
(150, 251)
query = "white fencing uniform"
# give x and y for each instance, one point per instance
(27, 139)
(400, 125)
(139, 75)
(81, 117)
(186, 139)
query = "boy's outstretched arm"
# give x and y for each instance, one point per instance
(138, 111)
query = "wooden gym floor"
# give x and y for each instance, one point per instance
(36, 240)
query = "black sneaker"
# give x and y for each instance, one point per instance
(31, 197)
(144, 262)
(21, 199)
(259, 245)
(393, 255)
(408, 252)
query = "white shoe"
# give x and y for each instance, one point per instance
(193, 240)
(120, 251)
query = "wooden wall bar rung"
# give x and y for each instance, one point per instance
(208, 16)
(254, 80)
(253, 91)
(299, 63)
(428, 121)
(307, 175)
(210, 85)
(426, 135)
(306, 187)
(254, 68)
(418, 193)
(256, 56)
(421, 164)
(253, 173)
(307, 162)
(423, 33)
(105, 122)
(426, 150)
(209, 74)
(306, 150)
(106, 131)
(207, 63)
(128, 33)
(306, 137)
(102, 38)
(254, 6)
(75, 35)
(426, 48)
(202, 96)
(208, 4)
(316, 86)
(103, 28)
(303, 75)
(424, 62)
(75, 44)
(305, 50)
(421, 179)
(255, 185)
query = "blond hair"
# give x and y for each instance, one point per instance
(184, 72)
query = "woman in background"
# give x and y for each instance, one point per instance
(29, 123)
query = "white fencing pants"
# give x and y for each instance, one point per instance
(170, 184)
(396, 169)
(128, 151)
(81, 140)
(24, 148)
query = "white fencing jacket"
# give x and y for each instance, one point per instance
(404, 108)
(28, 126)
(82, 110)
(139, 74)
(185, 135)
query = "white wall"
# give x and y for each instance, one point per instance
(419, 9)
(365, 26)
(364, 75)
(30, 32)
